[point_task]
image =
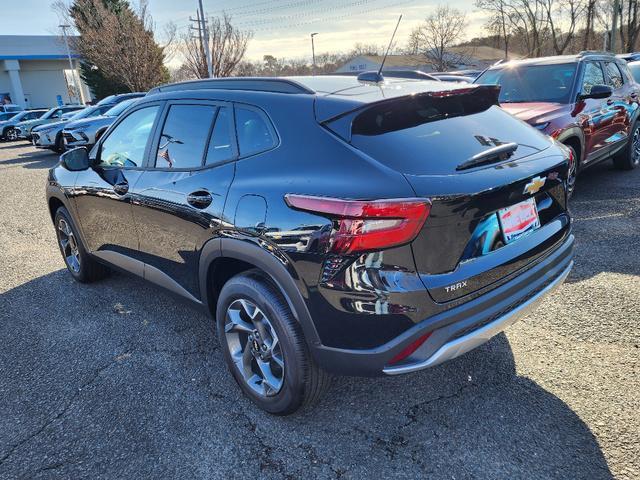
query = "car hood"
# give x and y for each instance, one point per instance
(534, 112)
(85, 122)
(28, 123)
(47, 126)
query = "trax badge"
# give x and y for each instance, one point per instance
(534, 185)
(455, 286)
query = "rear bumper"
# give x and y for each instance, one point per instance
(460, 329)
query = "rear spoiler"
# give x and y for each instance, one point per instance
(364, 118)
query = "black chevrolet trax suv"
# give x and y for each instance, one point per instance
(329, 225)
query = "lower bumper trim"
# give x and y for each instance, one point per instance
(461, 345)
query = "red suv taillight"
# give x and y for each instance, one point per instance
(361, 225)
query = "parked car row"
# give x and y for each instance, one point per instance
(45, 128)
(84, 126)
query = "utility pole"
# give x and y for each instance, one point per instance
(313, 54)
(203, 19)
(614, 25)
(66, 42)
(198, 27)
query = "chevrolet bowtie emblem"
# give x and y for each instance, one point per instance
(534, 185)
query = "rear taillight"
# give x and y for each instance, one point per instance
(367, 225)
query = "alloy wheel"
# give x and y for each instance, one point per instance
(12, 135)
(573, 172)
(254, 347)
(69, 245)
(635, 146)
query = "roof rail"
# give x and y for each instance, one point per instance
(273, 85)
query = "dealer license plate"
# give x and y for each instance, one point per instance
(518, 220)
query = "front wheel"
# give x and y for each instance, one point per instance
(80, 264)
(264, 347)
(573, 172)
(629, 157)
(11, 135)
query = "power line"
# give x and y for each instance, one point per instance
(356, 3)
(330, 18)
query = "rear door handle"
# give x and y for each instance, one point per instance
(199, 199)
(121, 188)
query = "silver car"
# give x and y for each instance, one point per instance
(50, 135)
(23, 129)
(7, 125)
(86, 132)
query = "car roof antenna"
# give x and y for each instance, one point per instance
(376, 77)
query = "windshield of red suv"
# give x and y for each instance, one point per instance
(532, 83)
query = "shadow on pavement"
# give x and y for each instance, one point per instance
(28, 157)
(120, 379)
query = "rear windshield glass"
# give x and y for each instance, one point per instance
(423, 135)
(532, 83)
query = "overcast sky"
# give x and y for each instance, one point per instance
(281, 27)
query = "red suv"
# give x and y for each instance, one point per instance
(588, 102)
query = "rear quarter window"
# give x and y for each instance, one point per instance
(254, 130)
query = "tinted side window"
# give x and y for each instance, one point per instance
(254, 133)
(184, 136)
(125, 145)
(220, 146)
(615, 76)
(593, 75)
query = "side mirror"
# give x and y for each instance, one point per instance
(76, 159)
(597, 91)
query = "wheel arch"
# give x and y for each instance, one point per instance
(574, 137)
(55, 203)
(222, 258)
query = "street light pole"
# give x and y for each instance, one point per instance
(313, 54)
(66, 42)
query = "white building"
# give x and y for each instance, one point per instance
(35, 72)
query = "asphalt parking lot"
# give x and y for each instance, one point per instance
(119, 379)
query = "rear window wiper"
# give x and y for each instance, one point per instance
(498, 153)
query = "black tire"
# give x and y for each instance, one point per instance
(629, 157)
(302, 382)
(59, 144)
(573, 172)
(80, 264)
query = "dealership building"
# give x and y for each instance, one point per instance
(35, 72)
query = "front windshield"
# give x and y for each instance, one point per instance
(49, 113)
(84, 113)
(119, 108)
(7, 116)
(532, 83)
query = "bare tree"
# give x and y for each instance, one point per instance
(590, 15)
(569, 13)
(440, 31)
(366, 49)
(228, 46)
(120, 44)
(629, 22)
(498, 23)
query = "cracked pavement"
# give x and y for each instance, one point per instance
(120, 379)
